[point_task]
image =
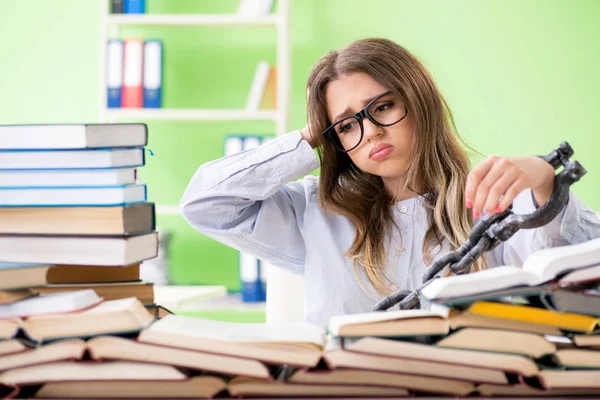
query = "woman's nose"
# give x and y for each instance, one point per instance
(371, 130)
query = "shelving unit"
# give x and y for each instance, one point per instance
(110, 24)
(284, 290)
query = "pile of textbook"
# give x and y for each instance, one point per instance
(72, 217)
(501, 332)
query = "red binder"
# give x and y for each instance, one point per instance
(133, 92)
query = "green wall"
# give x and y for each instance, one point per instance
(520, 76)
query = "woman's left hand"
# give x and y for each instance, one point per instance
(495, 182)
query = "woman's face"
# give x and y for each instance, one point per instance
(384, 150)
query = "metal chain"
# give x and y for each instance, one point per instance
(489, 231)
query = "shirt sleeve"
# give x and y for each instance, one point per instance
(576, 223)
(248, 200)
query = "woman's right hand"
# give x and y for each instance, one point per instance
(306, 131)
(306, 135)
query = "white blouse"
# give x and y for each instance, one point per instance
(252, 202)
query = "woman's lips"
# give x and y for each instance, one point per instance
(380, 151)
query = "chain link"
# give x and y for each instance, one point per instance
(491, 230)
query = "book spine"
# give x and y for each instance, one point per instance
(134, 6)
(132, 75)
(153, 67)
(114, 73)
(116, 7)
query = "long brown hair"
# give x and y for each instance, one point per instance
(438, 168)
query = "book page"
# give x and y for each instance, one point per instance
(240, 332)
(552, 262)
(488, 280)
(336, 322)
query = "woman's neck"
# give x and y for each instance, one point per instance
(398, 189)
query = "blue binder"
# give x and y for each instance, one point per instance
(114, 72)
(153, 67)
(134, 6)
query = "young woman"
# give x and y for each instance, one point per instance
(394, 190)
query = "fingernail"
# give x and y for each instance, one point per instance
(469, 203)
(498, 209)
(476, 214)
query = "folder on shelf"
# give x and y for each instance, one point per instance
(116, 7)
(153, 58)
(233, 145)
(134, 6)
(132, 74)
(114, 72)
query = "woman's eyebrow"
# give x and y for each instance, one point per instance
(348, 110)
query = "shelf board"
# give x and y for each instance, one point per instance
(190, 19)
(190, 114)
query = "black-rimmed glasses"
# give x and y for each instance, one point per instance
(384, 110)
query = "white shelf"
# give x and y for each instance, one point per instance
(167, 209)
(190, 114)
(191, 19)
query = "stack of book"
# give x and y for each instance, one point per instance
(501, 332)
(72, 216)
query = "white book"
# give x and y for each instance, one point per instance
(248, 8)
(72, 159)
(79, 250)
(72, 136)
(73, 196)
(233, 145)
(67, 177)
(541, 267)
(55, 303)
(258, 86)
(265, 6)
(254, 8)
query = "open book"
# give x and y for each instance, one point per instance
(541, 267)
(109, 317)
(296, 344)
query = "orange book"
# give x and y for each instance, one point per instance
(269, 99)
(567, 321)
(92, 274)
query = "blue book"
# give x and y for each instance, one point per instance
(71, 159)
(134, 6)
(73, 196)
